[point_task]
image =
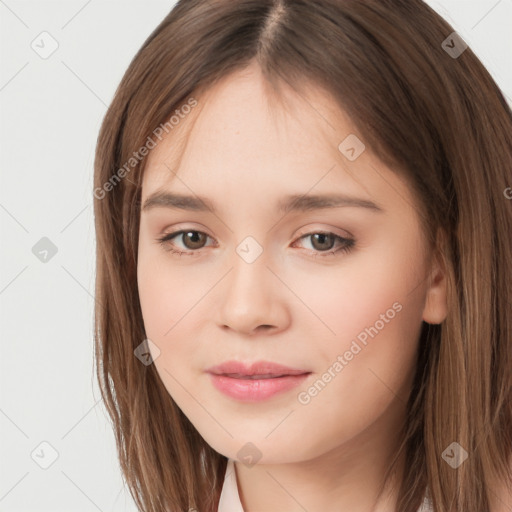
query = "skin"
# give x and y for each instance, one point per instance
(288, 306)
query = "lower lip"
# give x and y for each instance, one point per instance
(254, 390)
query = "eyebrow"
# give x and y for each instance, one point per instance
(294, 202)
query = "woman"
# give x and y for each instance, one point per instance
(303, 262)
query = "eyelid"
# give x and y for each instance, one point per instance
(303, 231)
(334, 231)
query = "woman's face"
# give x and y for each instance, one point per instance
(259, 283)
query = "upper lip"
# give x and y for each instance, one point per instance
(256, 368)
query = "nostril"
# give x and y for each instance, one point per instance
(265, 327)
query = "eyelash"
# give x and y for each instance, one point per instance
(346, 248)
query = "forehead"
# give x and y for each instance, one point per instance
(241, 141)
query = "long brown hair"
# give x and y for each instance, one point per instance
(436, 117)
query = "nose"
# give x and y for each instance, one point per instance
(252, 298)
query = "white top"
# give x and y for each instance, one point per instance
(230, 499)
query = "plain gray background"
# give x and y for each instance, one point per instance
(51, 110)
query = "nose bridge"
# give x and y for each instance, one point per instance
(249, 286)
(250, 298)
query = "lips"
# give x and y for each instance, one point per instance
(258, 369)
(256, 382)
(251, 377)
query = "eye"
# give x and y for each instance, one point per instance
(192, 239)
(323, 242)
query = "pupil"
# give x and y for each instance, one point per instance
(194, 235)
(322, 237)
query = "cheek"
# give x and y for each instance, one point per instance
(166, 291)
(369, 313)
(158, 299)
(165, 299)
(363, 374)
(345, 299)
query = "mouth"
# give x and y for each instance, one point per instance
(258, 381)
(258, 369)
(255, 377)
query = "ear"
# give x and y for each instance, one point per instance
(436, 307)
